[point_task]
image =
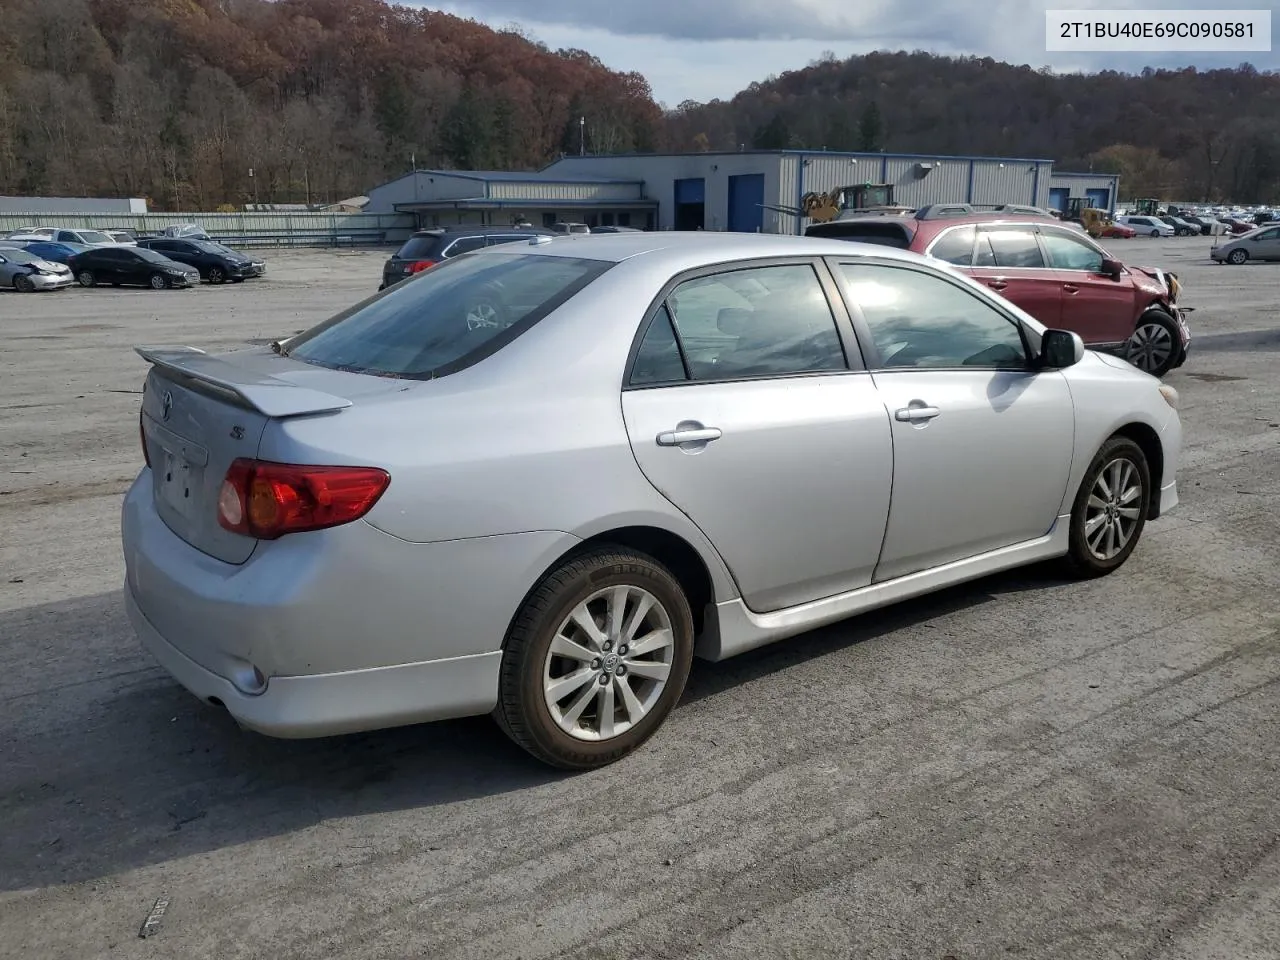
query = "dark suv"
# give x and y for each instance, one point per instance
(426, 248)
(1052, 270)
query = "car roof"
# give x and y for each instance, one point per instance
(685, 250)
(479, 231)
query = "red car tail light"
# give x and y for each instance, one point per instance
(267, 500)
(420, 265)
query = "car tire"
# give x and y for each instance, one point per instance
(23, 284)
(1155, 233)
(216, 275)
(1155, 344)
(1105, 526)
(1237, 256)
(558, 678)
(158, 281)
(86, 278)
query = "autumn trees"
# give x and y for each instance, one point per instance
(177, 100)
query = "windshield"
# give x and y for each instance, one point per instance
(208, 246)
(152, 255)
(448, 317)
(19, 256)
(93, 236)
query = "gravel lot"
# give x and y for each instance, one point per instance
(1017, 767)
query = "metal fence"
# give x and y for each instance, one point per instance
(301, 229)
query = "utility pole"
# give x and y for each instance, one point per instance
(582, 136)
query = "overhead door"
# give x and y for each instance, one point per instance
(1099, 198)
(691, 198)
(746, 199)
(1058, 197)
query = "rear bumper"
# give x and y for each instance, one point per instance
(335, 703)
(352, 628)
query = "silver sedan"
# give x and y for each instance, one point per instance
(25, 272)
(536, 481)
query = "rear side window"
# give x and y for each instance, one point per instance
(465, 245)
(1008, 248)
(418, 248)
(446, 318)
(955, 246)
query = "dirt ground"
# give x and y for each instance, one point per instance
(1018, 767)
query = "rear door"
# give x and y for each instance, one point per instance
(743, 411)
(1095, 305)
(1008, 259)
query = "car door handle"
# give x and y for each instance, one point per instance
(1070, 288)
(673, 438)
(916, 414)
(997, 284)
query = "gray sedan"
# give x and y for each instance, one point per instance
(536, 481)
(25, 272)
(1261, 244)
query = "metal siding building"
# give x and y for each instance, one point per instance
(1103, 189)
(78, 205)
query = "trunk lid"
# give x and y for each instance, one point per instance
(200, 412)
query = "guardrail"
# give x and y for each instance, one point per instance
(249, 229)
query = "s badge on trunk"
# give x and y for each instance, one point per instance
(166, 405)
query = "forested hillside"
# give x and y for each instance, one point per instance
(176, 100)
(1179, 134)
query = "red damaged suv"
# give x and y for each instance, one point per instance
(1050, 269)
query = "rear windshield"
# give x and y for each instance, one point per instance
(416, 248)
(446, 318)
(886, 233)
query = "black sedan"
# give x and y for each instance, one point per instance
(131, 265)
(216, 263)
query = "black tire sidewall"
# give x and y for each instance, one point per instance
(1079, 555)
(93, 280)
(1233, 259)
(526, 716)
(151, 282)
(23, 284)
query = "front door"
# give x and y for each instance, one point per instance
(754, 425)
(1096, 305)
(982, 443)
(1007, 258)
(1266, 245)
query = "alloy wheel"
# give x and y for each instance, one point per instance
(1114, 508)
(1150, 347)
(608, 663)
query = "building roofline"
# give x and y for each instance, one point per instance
(1080, 173)
(805, 153)
(484, 203)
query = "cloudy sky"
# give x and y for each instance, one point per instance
(703, 49)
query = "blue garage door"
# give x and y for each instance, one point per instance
(691, 191)
(746, 196)
(1058, 197)
(1100, 198)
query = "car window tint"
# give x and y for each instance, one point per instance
(923, 320)
(1008, 248)
(955, 246)
(465, 245)
(504, 238)
(768, 321)
(1269, 234)
(1070, 253)
(446, 318)
(67, 235)
(658, 359)
(417, 248)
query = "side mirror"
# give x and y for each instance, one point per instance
(1060, 348)
(1112, 268)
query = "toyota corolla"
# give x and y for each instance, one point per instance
(536, 481)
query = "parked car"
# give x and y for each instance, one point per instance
(32, 233)
(1239, 226)
(26, 272)
(570, 228)
(635, 457)
(216, 263)
(55, 251)
(1260, 244)
(1181, 227)
(136, 266)
(1118, 231)
(426, 248)
(89, 238)
(126, 238)
(186, 231)
(1058, 275)
(1147, 226)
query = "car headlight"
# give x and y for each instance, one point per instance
(1170, 395)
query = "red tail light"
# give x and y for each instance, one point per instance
(421, 265)
(268, 500)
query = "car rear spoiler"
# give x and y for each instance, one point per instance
(270, 396)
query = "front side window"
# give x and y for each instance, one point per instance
(1008, 247)
(766, 321)
(1070, 253)
(922, 320)
(446, 318)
